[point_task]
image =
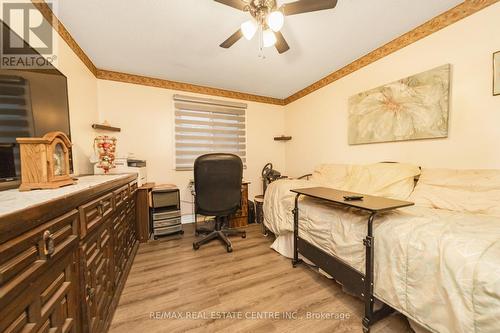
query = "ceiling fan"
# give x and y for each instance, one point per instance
(268, 18)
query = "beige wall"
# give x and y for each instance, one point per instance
(318, 122)
(82, 95)
(146, 116)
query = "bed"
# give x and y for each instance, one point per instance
(437, 262)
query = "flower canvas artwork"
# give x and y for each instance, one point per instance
(496, 73)
(409, 109)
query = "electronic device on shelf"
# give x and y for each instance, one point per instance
(127, 165)
(165, 214)
(133, 163)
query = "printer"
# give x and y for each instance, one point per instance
(127, 165)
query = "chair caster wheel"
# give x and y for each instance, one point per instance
(229, 249)
(195, 246)
(244, 235)
(181, 232)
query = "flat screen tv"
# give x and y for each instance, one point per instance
(32, 103)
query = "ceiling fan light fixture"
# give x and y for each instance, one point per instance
(268, 38)
(249, 28)
(275, 20)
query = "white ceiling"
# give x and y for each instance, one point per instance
(178, 40)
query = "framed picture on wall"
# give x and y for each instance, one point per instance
(496, 73)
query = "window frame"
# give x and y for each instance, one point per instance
(217, 121)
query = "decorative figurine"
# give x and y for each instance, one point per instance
(105, 148)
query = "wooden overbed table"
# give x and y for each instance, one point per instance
(356, 282)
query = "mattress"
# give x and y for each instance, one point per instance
(439, 267)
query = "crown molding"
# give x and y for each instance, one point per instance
(47, 13)
(461, 11)
(180, 86)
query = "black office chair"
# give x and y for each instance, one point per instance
(217, 182)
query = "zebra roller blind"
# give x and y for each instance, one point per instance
(205, 126)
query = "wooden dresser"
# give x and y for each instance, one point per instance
(64, 262)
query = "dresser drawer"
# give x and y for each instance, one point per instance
(133, 187)
(49, 304)
(94, 213)
(132, 206)
(97, 274)
(162, 215)
(121, 196)
(167, 230)
(23, 258)
(166, 222)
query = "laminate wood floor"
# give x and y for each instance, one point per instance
(172, 288)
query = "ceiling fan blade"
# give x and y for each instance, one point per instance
(306, 6)
(281, 44)
(231, 40)
(238, 4)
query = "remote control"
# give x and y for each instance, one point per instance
(353, 197)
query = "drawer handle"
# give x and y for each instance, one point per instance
(90, 291)
(100, 208)
(48, 243)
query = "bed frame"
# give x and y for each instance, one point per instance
(361, 285)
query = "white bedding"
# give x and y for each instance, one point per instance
(437, 266)
(383, 179)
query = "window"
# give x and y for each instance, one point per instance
(205, 126)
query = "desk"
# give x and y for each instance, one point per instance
(361, 284)
(240, 218)
(142, 211)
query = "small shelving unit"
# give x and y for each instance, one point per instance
(282, 138)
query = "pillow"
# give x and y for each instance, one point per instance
(331, 175)
(391, 180)
(469, 191)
